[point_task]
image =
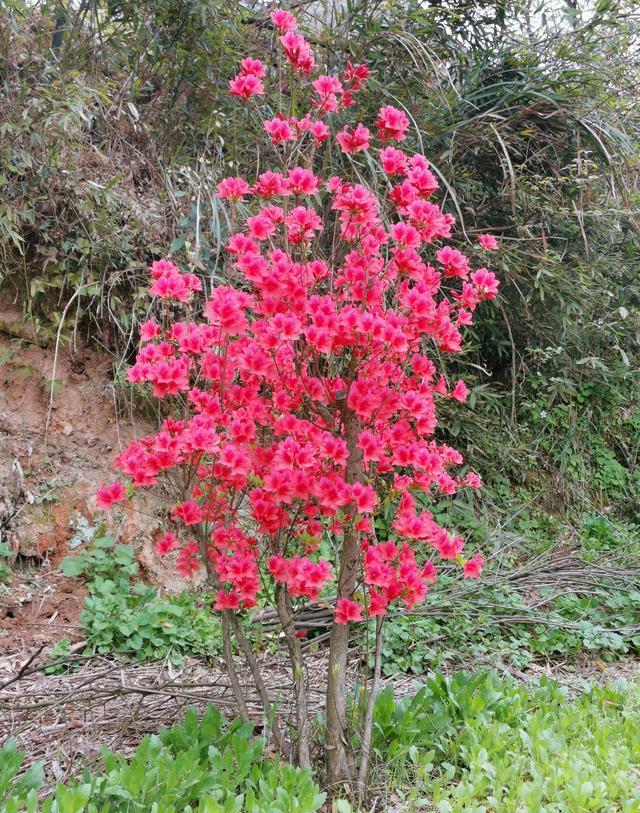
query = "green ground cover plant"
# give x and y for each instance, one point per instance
(126, 617)
(471, 742)
(5, 570)
(483, 743)
(496, 625)
(200, 766)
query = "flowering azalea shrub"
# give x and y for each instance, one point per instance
(306, 387)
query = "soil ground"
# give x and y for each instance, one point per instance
(54, 454)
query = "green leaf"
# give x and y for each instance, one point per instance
(73, 565)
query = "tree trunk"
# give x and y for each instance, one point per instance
(336, 742)
(230, 624)
(227, 649)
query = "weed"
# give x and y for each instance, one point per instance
(59, 658)
(140, 624)
(6, 554)
(103, 559)
(479, 626)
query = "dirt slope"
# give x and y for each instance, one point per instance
(53, 457)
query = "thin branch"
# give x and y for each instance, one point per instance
(367, 732)
(271, 719)
(298, 668)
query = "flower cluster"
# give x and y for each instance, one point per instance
(249, 81)
(170, 283)
(308, 390)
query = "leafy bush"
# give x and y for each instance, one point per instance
(130, 618)
(481, 742)
(140, 624)
(103, 559)
(18, 791)
(200, 766)
(601, 535)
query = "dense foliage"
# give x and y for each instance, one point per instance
(123, 616)
(475, 742)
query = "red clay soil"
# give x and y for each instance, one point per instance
(39, 612)
(47, 503)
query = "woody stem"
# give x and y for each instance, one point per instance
(285, 614)
(367, 731)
